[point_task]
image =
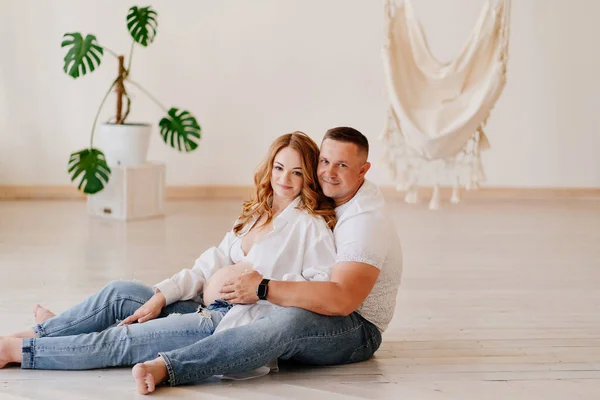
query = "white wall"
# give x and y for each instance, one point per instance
(251, 70)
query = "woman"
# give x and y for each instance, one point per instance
(284, 233)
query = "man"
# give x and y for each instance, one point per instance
(322, 323)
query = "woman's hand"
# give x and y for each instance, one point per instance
(150, 310)
(242, 289)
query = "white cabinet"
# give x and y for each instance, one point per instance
(131, 193)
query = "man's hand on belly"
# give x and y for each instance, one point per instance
(212, 287)
(242, 290)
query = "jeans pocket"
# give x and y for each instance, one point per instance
(360, 354)
(366, 351)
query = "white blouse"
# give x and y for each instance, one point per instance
(300, 248)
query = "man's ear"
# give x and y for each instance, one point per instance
(363, 170)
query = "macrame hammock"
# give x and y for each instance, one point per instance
(437, 111)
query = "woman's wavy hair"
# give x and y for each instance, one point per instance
(312, 198)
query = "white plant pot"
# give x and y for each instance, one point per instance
(124, 145)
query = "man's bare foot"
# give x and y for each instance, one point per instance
(41, 314)
(10, 351)
(147, 375)
(29, 333)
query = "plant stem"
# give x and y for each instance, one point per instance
(109, 50)
(120, 89)
(130, 57)
(100, 109)
(148, 94)
(128, 104)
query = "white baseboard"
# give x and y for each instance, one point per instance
(178, 192)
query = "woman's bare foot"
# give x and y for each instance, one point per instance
(10, 351)
(41, 314)
(147, 375)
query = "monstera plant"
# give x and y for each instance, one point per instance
(178, 128)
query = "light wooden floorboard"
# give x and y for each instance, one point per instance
(499, 299)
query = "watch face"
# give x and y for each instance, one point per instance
(262, 291)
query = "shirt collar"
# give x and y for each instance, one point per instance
(289, 214)
(367, 198)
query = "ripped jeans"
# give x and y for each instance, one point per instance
(87, 336)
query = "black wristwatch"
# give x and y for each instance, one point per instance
(263, 289)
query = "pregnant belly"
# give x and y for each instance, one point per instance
(213, 286)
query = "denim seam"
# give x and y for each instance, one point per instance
(210, 372)
(372, 340)
(40, 331)
(376, 339)
(92, 313)
(122, 339)
(169, 368)
(31, 352)
(351, 359)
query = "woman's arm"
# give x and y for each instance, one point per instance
(187, 283)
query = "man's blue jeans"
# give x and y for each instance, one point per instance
(87, 336)
(288, 333)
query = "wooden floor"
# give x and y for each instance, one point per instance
(499, 300)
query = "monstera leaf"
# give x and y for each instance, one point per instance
(181, 130)
(84, 54)
(92, 164)
(142, 24)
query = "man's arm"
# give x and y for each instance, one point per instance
(351, 283)
(362, 244)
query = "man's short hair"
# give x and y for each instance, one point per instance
(348, 135)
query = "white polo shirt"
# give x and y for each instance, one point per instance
(365, 234)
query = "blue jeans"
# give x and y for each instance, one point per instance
(288, 333)
(87, 336)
